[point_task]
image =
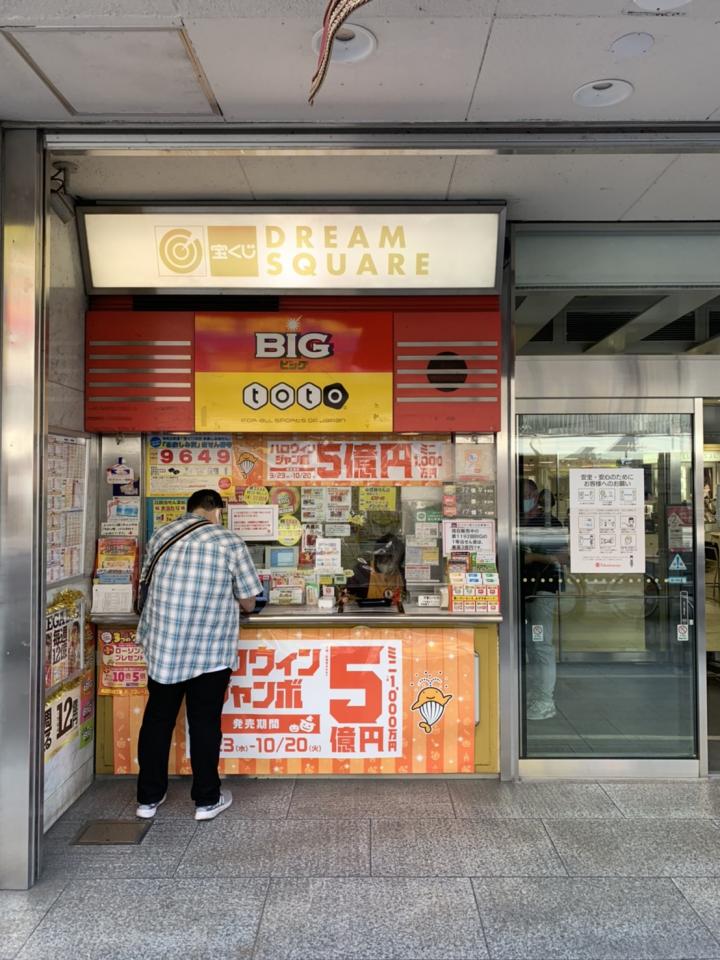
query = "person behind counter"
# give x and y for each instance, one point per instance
(189, 631)
(381, 578)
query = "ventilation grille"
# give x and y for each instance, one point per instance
(139, 371)
(447, 371)
(582, 326)
(682, 329)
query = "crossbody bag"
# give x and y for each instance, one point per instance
(144, 585)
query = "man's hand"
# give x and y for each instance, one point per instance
(247, 604)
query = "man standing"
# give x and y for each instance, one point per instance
(189, 631)
(543, 551)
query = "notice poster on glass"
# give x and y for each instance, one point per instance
(607, 520)
(254, 521)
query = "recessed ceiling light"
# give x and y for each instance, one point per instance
(632, 45)
(661, 6)
(602, 93)
(352, 43)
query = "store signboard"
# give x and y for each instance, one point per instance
(435, 250)
(607, 520)
(302, 372)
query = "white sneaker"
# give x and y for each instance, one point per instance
(209, 813)
(540, 710)
(148, 810)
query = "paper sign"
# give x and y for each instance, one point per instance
(183, 464)
(253, 521)
(328, 555)
(380, 499)
(607, 520)
(469, 536)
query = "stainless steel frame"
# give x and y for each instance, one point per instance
(356, 207)
(542, 376)
(378, 139)
(22, 520)
(700, 627)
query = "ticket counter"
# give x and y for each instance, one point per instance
(374, 649)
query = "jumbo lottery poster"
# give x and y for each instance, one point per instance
(336, 702)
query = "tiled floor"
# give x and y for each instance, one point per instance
(374, 870)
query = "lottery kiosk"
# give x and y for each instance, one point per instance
(353, 439)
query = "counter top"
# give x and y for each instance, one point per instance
(292, 616)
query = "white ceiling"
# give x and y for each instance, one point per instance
(436, 60)
(536, 188)
(241, 61)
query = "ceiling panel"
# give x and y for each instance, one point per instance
(688, 190)
(158, 178)
(137, 72)
(22, 93)
(29, 12)
(559, 187)
(422, 178)
(604, 8)
(533, 65)
(260, 69)
(313, 9)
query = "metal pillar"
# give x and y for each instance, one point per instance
(22, 552)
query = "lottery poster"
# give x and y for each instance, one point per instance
(64, 644)
(335, 702)
(122, 663)
(61, 718)
(163, 510)
(607, 520)
(179, 465)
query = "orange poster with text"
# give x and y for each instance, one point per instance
(345, 701)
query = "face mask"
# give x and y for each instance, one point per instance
(528, 504)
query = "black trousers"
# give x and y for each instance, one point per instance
(204, 698)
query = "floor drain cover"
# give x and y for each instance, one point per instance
(117, 832)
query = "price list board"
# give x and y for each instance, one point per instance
(67, 465)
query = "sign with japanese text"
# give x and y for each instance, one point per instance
(321, 702)
(275, 372)
(253, 521)
(315, 699)
(61, 718)
(294, 250)
(63, 644)
(357, 463)
(607, 520)
(122, 666)
(179, 465)
(470, 536)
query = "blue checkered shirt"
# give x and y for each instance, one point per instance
(191, 618)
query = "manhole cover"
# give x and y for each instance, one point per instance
(113, 832)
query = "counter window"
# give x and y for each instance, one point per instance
(356, 520)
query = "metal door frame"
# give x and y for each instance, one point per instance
(22, 508)
(602, 768)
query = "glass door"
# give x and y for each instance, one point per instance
(606, 572)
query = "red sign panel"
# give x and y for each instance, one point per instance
(447, 372)
(139, 371)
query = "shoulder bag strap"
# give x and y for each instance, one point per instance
(170, 542)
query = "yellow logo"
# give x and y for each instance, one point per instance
(179, 251)
(233, 251)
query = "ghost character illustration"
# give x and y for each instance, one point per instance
(431, 704)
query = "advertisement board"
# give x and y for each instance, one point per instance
(340, 701)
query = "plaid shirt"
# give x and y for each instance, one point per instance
(191, 619)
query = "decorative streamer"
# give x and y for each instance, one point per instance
(336, 13)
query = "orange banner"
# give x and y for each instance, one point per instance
(318, 722)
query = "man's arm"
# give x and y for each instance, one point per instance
(246, 583)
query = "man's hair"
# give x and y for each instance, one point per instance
(205, 500)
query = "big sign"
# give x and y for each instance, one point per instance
(276, 372)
